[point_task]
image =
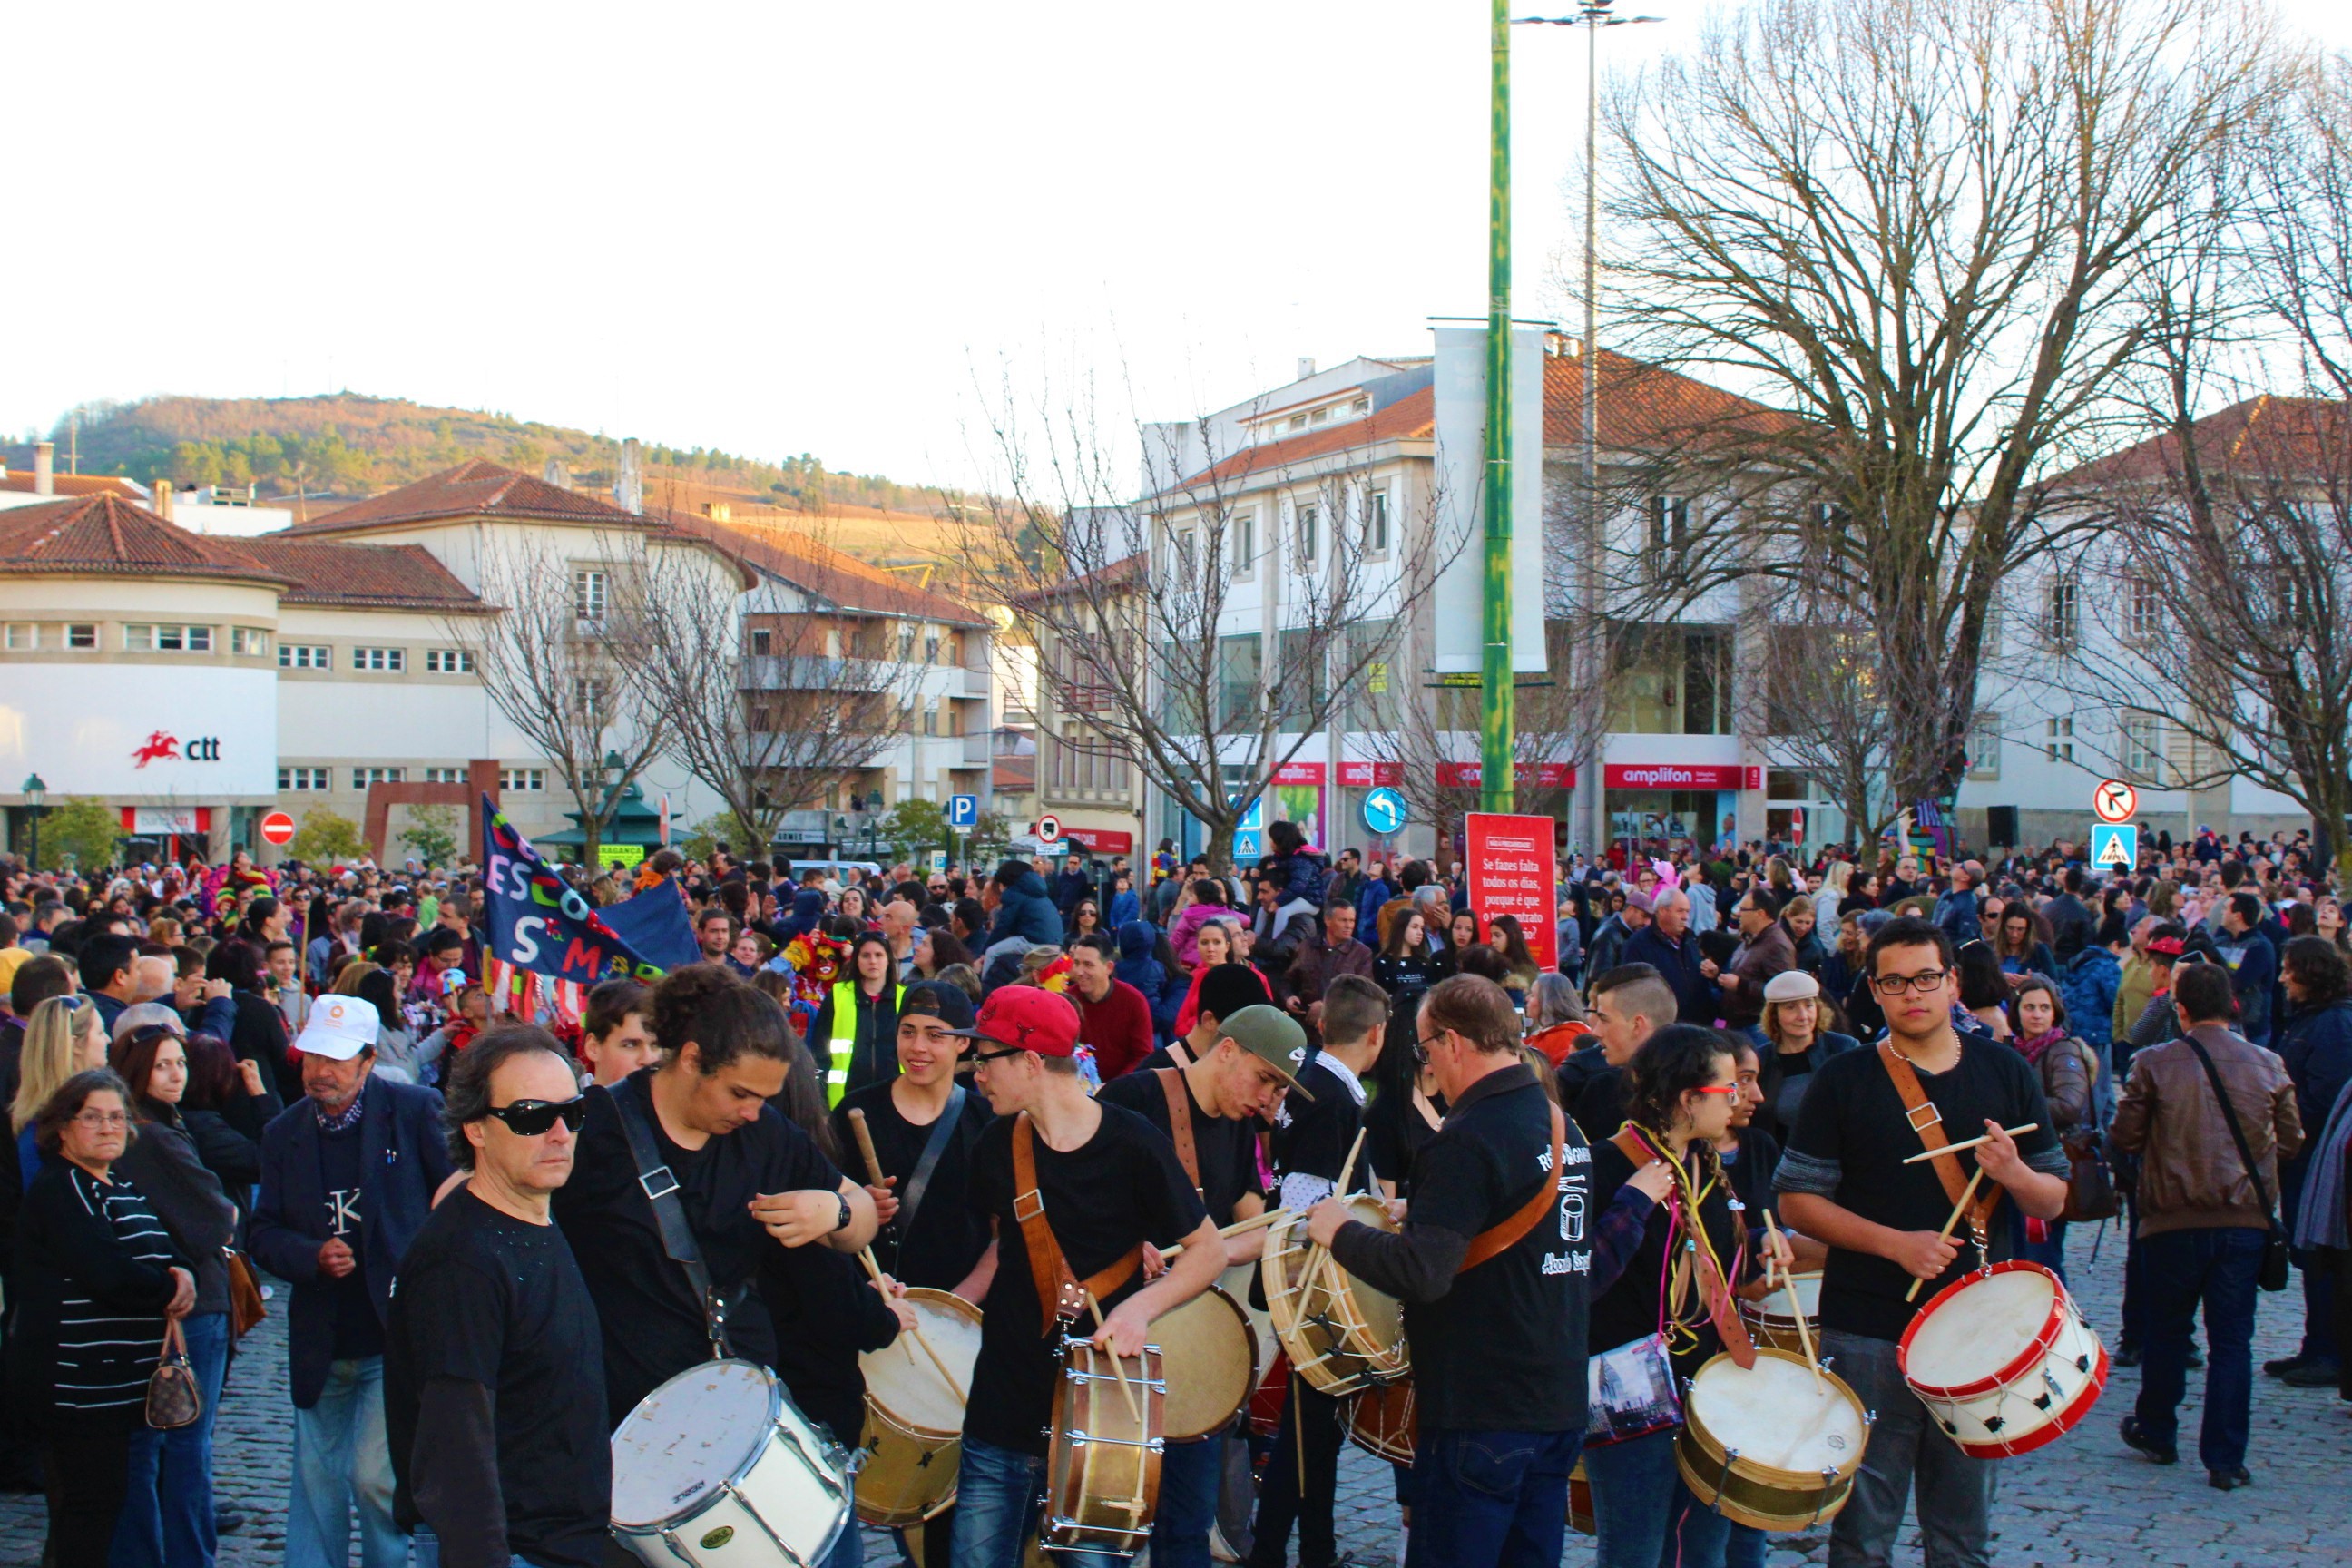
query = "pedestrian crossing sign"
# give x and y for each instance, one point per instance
(2114, 844)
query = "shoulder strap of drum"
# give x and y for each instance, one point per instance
(1180, 1122)
(1501, 1238)
(1061, 1295)
(661, 1189)
(943, 1130)
(1722, 1306)
(1928, 1123)
(1634, 1147)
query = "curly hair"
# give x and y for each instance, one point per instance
(724, 1017)
(1671, 1063)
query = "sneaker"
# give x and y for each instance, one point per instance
(2286, 1365)
(2228, 1480)
(2312, 1374)
(226, 1521)
(2161, 1453)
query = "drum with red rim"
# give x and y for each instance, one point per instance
(2003, 1360)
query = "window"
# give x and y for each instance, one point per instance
(387, 658)
(931, 716)
(299, 656)
(2064, 621)
(82, 635)
(249, 641)
(1310, 528)
(1376, 521)
(307, 780)
(362, 777)
(1302, 680)
(1984, 747)
(139, 638)
(2058, 739)
(526, 781)
(2143, 746)
(448, 661)
(931, 647)
(1238, 659)
(1244, 543)
(1669, 525)
(23, 636)
(589, 694)
(906, 645)
(1184, 547)
(762, 641)
(2147, 609)
(589, 594)
(445, 775)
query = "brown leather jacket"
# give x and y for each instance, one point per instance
(2190, 1176)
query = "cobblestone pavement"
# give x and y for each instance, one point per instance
(2084, 1501)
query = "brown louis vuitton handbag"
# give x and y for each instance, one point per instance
(174, 1400)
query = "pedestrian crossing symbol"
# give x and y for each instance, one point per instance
(2114, 844)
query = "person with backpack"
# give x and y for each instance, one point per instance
(2070, 1076)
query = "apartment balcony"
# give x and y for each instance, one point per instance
(977, 683)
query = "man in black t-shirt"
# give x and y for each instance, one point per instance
(1843, 1181)
(1492, 1267)
(1211, 1112)
(494, 1392)
(1106, 1184)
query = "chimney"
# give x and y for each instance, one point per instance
(163, 500)
(629, 489)
(44, 467)
(1305, 366)
(557, 473)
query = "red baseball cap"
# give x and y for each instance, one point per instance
(1026, 1018)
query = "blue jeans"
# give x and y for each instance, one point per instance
(1490, 1499)
(2219, 1266)
(997, 1492)
(1644, 1515)
(343, 1458)
(1746, 1547)
(1188, 1476)
(167, 1516)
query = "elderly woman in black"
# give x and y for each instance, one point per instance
(97, 1276)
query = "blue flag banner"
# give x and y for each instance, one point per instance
(542, 925)
(654, 924)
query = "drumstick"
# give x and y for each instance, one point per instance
(865, 1255)
(1945, 1235)
(1318, 1260)
(1133, 1403)
(1349, 1169)
(1796, 1308)
(1955, 1148)
(1239, 1228)
(865, 1145)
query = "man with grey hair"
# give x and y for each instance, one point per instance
(1671, 948)
(151, 975)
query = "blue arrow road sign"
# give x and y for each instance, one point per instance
(963, 812)
(1384, 811)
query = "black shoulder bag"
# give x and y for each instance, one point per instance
(2274, 1276)
(661, 1190)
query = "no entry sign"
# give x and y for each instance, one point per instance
(278, 828)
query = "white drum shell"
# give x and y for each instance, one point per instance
(1976, 1332)
(752, 1488)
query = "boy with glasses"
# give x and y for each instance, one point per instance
(1843, 1182)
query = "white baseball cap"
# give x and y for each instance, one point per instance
(339, 1029)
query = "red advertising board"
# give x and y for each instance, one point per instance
(1299, 773)
(1512, 872)
(1682, 775)
(1101, 841)
(1367, 775)
(1529, 775)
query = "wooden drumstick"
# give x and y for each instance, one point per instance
(1319, 1261)
(1134, 1403)
(1796, 1308)
(865, 1255)
(858, 1129)
(1349, 1169)
(1239, 1228)
(1945, 1233)
(1955, 1148)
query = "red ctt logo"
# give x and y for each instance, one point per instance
(162, 746)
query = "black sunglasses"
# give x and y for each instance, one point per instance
(531, 1117)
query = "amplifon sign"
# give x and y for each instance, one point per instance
(1682, 775)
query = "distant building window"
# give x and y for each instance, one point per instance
(142, 638)
(1669, 525)
(2147, 609)
(445, 775)
(2058, 739)
(932, 648)
(523, 780)
(448, 661)
(588, 594)
(23, 636)
(249, 641)
(307, 780)
(1984, 747)
(1310, 529)
(1244, 543)
(2143, 746)
(82, 635)
(362, 777)
(2065, 619)
(1376, 521)
(394, 660)
(762, 641)
(304, 656)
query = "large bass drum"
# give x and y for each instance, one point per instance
(718, 1468)
(914, 1417)
(1342, 1335)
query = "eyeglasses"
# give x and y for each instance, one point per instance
(1895, 984)
(98, 1120)
(533, 1117)
(981, 1059)
(1716, 1088)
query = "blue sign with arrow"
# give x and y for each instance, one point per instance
(1383, 811)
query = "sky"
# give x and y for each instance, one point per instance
(780, 226)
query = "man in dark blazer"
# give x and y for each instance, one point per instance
(348, 1176)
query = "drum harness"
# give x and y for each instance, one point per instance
(661, 1189)
(1928, 1123)
(1061, 1295)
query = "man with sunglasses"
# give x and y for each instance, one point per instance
(494, 1387)
(1843, 1182)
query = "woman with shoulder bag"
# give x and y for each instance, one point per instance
(167, 1518)
(97, 1280)
(2068, 1072)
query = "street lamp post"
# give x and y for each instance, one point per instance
(1498, 713)
(36, 794)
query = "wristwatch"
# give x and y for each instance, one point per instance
(843, 1223)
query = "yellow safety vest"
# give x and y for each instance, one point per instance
(844, 1036)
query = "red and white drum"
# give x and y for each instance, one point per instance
(2003, 1361)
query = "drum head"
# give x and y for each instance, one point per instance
(689, 1437)
(1383, 1314)
(1981, 1327)
(1207, 1345)
(1777, 1414)
(902, 1379)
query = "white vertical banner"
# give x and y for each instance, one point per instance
(1460, 392)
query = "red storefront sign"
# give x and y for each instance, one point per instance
(1682, 775)
(1512, 872)
(1367, 775)
(1101, 841)
(1529, 775)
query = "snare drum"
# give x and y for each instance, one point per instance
(914, 1418)
(1771, 1447)
(2003, 1361)
(1380, 1421)
(1208, 1341)
(1770, 1321)
(1102, 1465)
(718, 1468)
(1342, 1335)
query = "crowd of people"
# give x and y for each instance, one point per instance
(237, 1090)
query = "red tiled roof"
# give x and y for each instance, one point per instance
(478, 489)
(20, 480)
(791, 552)
(1012, 775)
(386, 576)
(1117, 574)
(2263, 437)
(105, 535)
(1411, 417)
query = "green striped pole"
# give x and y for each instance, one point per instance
(1496, 772)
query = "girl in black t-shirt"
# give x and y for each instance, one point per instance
(1405, 1106)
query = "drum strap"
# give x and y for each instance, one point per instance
(1061, 1295)
(661, 1190)
(1501, 1238)
(934, 1147)
(1180, 1124)
(1722, 1306)
(1928, 1123)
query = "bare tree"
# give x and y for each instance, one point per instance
(1918, 226)
(1813, 689)
(551, 656)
